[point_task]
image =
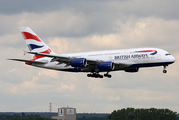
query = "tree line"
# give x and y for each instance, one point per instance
(122, 114)
(22, 117)
(143, 114)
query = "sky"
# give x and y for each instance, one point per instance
(81, 26)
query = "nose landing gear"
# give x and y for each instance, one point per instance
(164, 71)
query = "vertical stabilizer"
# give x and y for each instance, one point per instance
(34, 43)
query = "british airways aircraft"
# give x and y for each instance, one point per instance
(129, 60)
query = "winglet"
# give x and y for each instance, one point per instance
(25, 52)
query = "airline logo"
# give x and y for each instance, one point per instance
(33, 46)
(36, 44)
(153, 51)
(27, 35)
(136, 56)
(38, 56)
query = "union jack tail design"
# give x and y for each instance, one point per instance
(34, 43)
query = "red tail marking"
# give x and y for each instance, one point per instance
(27, 35)
(38, 56)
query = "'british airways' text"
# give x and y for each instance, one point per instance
(139, 56)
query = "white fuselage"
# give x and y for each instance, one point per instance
(142, 58)
(129, 60)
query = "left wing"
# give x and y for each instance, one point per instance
(65, 59)
(91, 62)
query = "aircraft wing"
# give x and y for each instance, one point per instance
(22, 60)
(66, 59)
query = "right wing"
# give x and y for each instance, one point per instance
(65, 59)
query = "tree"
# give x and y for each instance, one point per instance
(143, 114)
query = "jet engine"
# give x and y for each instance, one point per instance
(106, 66)
(78, 62)
(132, 70)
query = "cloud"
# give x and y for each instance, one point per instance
(112, 107)
(143, 32)
(63, 87)
(51, 73)
(144, 95)
(68, 22)
(88, 26)
(111, 98)
(149, 31)
(82, 106)
(24, 88)
(64, 45)
(60, 23)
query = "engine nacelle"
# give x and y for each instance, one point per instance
(106, 66)
(78, 62)
(132, 70)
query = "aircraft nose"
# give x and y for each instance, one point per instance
(172, 59)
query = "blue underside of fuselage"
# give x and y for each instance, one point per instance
(132, 66)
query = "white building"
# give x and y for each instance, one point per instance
(66, 113)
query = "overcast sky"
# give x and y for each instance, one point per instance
(88, 25)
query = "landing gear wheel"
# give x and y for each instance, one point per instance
(107, 75)
(95, 75)
(101, 76)
(164, 71)
(88, 75)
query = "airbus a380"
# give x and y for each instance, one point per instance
(129, 60)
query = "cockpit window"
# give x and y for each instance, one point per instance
(167, 54)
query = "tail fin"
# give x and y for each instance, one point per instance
(34, 43)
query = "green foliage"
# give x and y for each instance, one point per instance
(18, 117)
(30, 118)
(143, 114)
(23, 117)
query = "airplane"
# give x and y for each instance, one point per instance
(128, 60)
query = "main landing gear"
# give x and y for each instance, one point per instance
(97, 75)
(107, 75)
(164, 71)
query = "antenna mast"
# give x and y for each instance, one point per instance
(50, 108)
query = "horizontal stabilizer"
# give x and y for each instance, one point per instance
(37, 62)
